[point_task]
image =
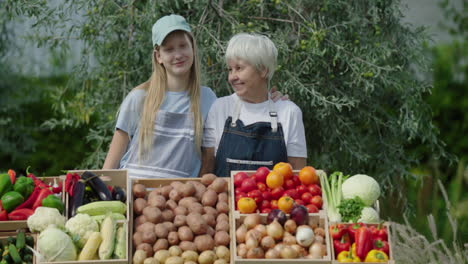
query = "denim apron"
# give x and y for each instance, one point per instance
(250, 147)
(173, 153)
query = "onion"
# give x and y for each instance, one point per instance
(278, 247)
(241, 233)
(319, 231)
(252, 233)
(288, 253)
(290, 226)
(275, 230)
(300, 250)
(242, 250)
(289, 240)
(272, 254)
(255, 253)
(304, 235)
(319, 239)
(267, 242)
(262, 229)
(252, 220)
(251, 243)
(317, 250)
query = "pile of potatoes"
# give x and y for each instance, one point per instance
(182, 222)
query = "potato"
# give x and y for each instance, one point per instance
(171, 204)
(208, 178)
(210, 231)
(148, 237)
(145, 227)
(219, 261)
(207, 257)
(185, 233)
(175, 251)
(223, 197)
(187, 245)
(138, 205)
(162, 255)
(222, 207)
(139, 190)
(187, 201)
(180, 210)
(209, 198)
(174, 260)
(187, 189)
(199, 189)
(180, 220)
(196, 208)
(222, 226)
(222, 217)
(157, 200)
(176, 184)
(168, 215)
(219, 185)
(150, 261)
(210, 210)
(161, 231)
(189, 255)
(165, 190)
(204, 242)
(221, 238)
(197, 223)
(139, 220)
(160, 244)
(152, 214)
(153, 193)
(223, 252)
(137, 239)
(139, 256)
(147, 248)
(209, 219)
(175, 195)
(190, 262)
(170, 226)
(173, 238)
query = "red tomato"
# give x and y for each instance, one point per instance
(317, 201)
(301, 189)
(289, 184)
(314, 189)
(248, 184)
(265, 210)
(261, 186)
(296, 180)
(274, 204)
(306, 197)
(240, 195)
(292, 193)
(312, 208)
(299, 202)
(276, 193)
(256, 195)
(261, 174)
(239, 178)
(237, 191)
(265, 204)
(266, 195)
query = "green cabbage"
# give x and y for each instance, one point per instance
(362, 186)
(55, 245)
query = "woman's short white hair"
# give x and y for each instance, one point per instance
(256, 49)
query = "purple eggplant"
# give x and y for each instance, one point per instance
(300, 215)
(277, 214)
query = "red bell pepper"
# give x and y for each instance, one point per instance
(337, 231)
(43, 193)
(20, 214)
(363, 238)
(3, 215)
(342, 244)
(352, 230)
(12, 175)
(381, 245)
(32, 198)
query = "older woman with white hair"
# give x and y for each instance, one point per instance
(247, 130)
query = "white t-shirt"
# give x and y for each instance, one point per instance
(289, 115)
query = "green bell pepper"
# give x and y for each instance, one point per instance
(11, 200)
(24, 185)
(53, 201)
(5, 184)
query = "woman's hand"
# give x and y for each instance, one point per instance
(277, 95)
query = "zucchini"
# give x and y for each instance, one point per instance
(14, 254)
(120, 244)
(20, 240)
(108, 238)
(102, 208)
(98, 186)
(100, 218)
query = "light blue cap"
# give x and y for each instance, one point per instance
(166, 25)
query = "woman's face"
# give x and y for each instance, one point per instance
(248, 83)
(176, 54)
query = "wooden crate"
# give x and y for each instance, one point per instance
(233, 198)
(5, 235)
(14, 225)
(390, 257)
(155, 183)
(318, 218)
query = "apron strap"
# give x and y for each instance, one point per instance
(273, 114)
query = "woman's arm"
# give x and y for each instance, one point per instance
(297, 163)
(208, 161)
(117, 149)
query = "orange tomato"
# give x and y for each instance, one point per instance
(284, 169)
(274, 179)
(307, 175)
(246, 205)
(286, 204)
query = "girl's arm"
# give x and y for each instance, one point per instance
(297, 163)
(208, 161)
(117, 149)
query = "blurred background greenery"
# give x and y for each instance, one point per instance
(379, 97)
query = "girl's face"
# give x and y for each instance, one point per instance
(248, 83)
(176, 54)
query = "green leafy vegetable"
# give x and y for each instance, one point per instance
(350, 209)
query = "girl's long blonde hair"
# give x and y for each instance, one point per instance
(155, 89)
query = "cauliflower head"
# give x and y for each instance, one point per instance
(369, 215)
(81, 226)
(363, 186)
(45, 216)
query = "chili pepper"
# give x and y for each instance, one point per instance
(341, 245)
(70, 181)
(3, 215)
(381, 245)
(41, 196)
(5, 184)
(53, 201)
(363, 239)
(24, 185)
(32, 198)
(352, 230)
(20, 214)
(11, 200)
(337, 231)
(12, 175)
(376, 256)
(347, 256)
